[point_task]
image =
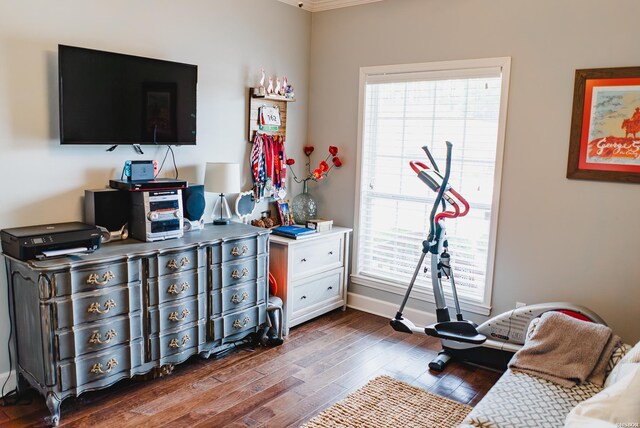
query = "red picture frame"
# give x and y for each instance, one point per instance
(605, 127)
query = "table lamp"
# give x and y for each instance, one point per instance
(222, 178)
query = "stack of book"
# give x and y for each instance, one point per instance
(293, 232)
(320, 224)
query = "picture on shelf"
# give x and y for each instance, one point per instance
(286, 218)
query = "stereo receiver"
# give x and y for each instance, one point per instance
(156, 215)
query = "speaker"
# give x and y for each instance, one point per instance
(193, 206)
(108, 209)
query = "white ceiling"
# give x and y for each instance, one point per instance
(320, 5)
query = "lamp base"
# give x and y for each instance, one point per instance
(221, 221)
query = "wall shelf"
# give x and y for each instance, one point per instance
(255, 102)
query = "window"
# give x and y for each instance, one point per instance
(403, 108)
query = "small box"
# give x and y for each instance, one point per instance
(320, 224)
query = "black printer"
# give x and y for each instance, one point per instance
(50, 240)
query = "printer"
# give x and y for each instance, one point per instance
(50, 240)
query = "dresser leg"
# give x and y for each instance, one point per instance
(53, 403)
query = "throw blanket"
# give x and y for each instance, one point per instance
(566, 351)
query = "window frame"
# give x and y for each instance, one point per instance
(454, 68)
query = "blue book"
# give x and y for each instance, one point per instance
(293, 231)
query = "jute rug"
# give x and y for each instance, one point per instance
(386, 402)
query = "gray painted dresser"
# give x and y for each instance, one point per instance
(84, 322)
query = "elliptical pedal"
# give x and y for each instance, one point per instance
(460, 331)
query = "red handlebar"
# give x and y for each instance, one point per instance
(445, 214)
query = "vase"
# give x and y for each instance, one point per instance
(304, 207)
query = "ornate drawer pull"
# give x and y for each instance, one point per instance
(243, 323)
(235, 299)
(94, 278)
(95, 307)
(303, 260)
(97, 368)
(173, 264)
(236, 275)
(330, 287)
(173, 288)
(330, 253)
(303, 297)
(175, 343)
(95, 337)
(237, 252)
(174, 315)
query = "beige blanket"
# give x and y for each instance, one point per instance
(566, 351)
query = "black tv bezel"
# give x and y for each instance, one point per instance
(116, 143)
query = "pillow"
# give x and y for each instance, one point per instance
(624, 366)
(616, 405)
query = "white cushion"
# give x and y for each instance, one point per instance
(616, 404)
(624, 366)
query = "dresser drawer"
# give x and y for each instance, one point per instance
(237, 324)
(170, 316)
(103, 367)
(242, 295)
(319, 289)
(178, 341)
(97, 277)
(176, 286)
(98, 336)
(232, 273)
(316, 256)
(98, 305)
(239, 249)
(176, 262)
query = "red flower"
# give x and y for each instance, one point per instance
(324, 166)
(308, 150)
(337, 162)
(333, 150)
(317, 174)
(290, 161)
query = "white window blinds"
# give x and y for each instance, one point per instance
(401, 112)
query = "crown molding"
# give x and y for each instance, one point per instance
(320, 5)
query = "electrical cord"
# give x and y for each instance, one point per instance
(11, 398)
(173, 156)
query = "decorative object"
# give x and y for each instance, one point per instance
(286, 218)
(304, 206)
(222, 178)
(245, 204)
(386, 402)
(605, 125)
(261, 89)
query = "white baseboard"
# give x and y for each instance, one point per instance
(11, 382)
(388, 310)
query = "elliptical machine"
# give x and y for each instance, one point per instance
(493, 343)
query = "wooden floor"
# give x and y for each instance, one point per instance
(319, 363)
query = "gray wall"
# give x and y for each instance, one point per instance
(558, 239)
(230, 40)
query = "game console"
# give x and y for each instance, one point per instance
(140, 170)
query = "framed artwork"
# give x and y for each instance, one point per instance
(605, 125)
(286, 217)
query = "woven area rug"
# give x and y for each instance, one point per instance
(386, 402)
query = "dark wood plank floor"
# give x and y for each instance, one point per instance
(319, 363)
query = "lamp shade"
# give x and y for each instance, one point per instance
(222, 177)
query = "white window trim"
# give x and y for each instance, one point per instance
(368, 74)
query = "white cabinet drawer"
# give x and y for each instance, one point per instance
(317, 256)
(319, 289)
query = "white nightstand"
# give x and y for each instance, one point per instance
(311, 273)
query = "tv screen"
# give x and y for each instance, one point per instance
(111, 98)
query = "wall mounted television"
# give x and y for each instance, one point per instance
(112, 98)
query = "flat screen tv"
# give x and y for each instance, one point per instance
(112, 98)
